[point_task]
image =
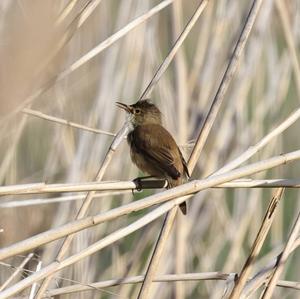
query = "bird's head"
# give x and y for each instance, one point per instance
(142, 113)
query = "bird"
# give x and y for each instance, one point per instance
(152, 148)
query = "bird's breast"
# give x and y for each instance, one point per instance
(138, 157)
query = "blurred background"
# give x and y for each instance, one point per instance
(40, 40)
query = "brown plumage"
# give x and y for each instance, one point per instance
(152, 148)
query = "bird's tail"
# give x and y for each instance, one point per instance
(183, 208)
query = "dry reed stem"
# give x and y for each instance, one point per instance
(71, 124)
(34, 286)
(252, 150)
(251, 132)
(144, 292)
(108, 157)
(214, 108)
(95, 51)
(179, 191)
(227, 77)
(55, 266)
(8, 157)
(58, 278)
(170, 217)
(181, 92)
(65, 12)
(246, 183)
(87, 10)
(52, 268)
(86, 203)
(257, 245)
(245, 222)
(17, 271)
(75, 288)
(69, 187)
(113, 38)
(75, 25)
(198, 62)
(121, 134)
(267, 294)
(64, 122)
(139, 279)
(114, 186)
(188, 188)
(110, 187)
(284, 18)
(61, 199)
(162, 68)
(262, 275)
(295, 285)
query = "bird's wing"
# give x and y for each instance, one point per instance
(159, 148)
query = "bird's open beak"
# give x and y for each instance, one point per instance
(127, 108)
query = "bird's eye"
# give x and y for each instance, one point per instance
(137, 111)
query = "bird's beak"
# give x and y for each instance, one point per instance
(127, 108)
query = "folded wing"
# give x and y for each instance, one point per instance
(159, 148)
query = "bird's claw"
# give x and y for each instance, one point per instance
(138, 184)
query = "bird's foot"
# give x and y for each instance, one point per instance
(138, 184)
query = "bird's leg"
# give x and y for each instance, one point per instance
(138, 182)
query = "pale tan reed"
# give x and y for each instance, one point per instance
(259, 121)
